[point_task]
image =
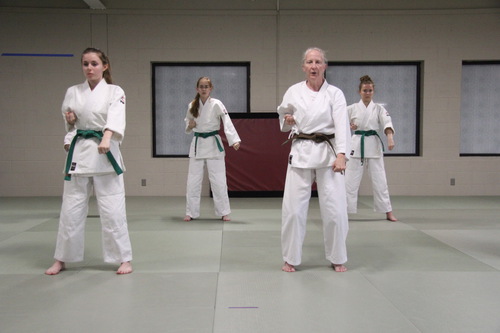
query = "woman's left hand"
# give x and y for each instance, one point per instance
(339, 165)
(390, 142)
(236, 146)
(104, 145)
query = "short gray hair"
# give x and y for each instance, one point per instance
(323, 54)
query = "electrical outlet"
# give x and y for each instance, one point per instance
(452, 181)
(143, 182)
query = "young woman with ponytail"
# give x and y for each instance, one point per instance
(203, 118)
(94, 115)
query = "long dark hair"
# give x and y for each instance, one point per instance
(105, 61)
(195, 103)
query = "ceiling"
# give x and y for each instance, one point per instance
(254, 4)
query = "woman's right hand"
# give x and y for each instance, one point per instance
(191, 124)
(289, 119)
(354, 126)
(70, 117)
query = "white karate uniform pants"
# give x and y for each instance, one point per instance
(217, 176)
(333, 208)
(110, 194)
(354, 174)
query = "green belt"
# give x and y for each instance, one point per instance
(363, 134)
(204, 136)
(87, 134)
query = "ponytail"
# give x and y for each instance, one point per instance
(195, 105)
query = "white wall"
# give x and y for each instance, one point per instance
(32, 88)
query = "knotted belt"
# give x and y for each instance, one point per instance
(363, 134)
(87, 134)
(316, 137)
(204, 136)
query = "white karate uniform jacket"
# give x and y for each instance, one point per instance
(207, 152)
(98, 109)
(209, 117)
(374, 117)
(371, 117)
(326, 115)
(315, 112)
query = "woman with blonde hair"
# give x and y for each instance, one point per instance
(315, 114)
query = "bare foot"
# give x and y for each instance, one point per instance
(339, 268)
(56, 267)
(391, 217)
(288, 268)
(226, 218)
(125, 268)
(187, 218)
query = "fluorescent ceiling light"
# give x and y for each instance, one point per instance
(95, 4)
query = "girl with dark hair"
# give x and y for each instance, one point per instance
(203, 117)
(366, 117)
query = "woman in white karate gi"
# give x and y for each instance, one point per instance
(203, 117)
(96, 110)
(315, 113)
(366, 118)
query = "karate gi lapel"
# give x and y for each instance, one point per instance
(78, 104)
(94, 104)
(96, 97)
(312, 108)
(203, 122)
(364, 115)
